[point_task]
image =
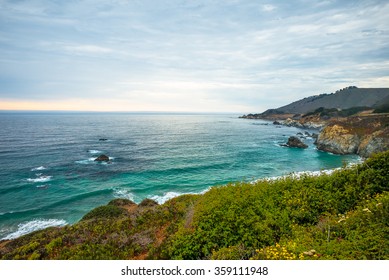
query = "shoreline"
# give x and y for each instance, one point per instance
(37, 224)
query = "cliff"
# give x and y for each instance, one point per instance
(352, 120)
(362, 135)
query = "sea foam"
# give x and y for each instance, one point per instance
(34, 225)
(38, 168)
(161, 199)
(93, 152)
(40, 179)
(123, 193)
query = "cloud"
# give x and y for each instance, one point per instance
(268, 8)
(87, 49)
(238, 54)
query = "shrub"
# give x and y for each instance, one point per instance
(121, 202)
(104, 212)
(147, 202)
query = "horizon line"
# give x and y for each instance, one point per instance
(116, 112)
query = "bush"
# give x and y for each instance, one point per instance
(120, 202)
(104, 212)
(147, 202)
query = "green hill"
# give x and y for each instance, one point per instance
(349, 97)
(344, 215)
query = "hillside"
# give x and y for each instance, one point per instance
(342, 99)
(340, 216)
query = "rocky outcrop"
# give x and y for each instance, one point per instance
(356, 135)
(295, 142)
(374, 143)
(102, 158)
(338, 140)
(303, 123)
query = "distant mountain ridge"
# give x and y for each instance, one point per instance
(345, 98)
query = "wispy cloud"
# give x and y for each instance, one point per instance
(268, 7)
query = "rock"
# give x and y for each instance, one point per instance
(276, 123)
(337, 139)
(374, 143)
(294, 123)
(295, 142)
(102, 158)
(362, 135)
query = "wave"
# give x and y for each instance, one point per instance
(40, 179)
(34, 225)
(93, 152)
(38, 168)
(42, 187)
(161, 199)
(300, 174)
(123, 193)
(86, 161)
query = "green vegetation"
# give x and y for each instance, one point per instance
(382, 109)
(340, 216)
(333, 112)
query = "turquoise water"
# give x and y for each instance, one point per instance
(49, 176)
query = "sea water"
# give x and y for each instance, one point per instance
(49, 176)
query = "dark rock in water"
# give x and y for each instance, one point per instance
(103, 139)
(102, 158)
(295, 142)
(276, 123)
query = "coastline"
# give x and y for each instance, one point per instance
(40, 224)
(290, 216)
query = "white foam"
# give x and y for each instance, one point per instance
(38, 168)
(40, 179)
(41, 187)
(34, 225)
(161, 199)
(93, 152)
(298, 175)
(86, 161)
(123, 193)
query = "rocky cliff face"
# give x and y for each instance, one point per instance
(356, 135)
(374, 143)
(338, 140)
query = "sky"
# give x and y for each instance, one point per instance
(241, 56)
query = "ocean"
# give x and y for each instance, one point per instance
(48, 176)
